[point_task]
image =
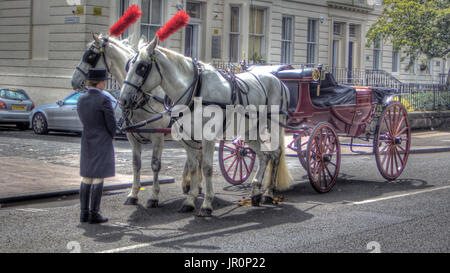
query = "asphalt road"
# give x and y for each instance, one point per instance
(363, 213)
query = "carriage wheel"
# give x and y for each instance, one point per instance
(301, 145)
(392, 141)
(236, 161)
(323, 157)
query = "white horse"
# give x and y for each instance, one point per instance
(114, 55)
(177, 74)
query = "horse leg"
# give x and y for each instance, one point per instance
(189, 203)
(207, 168)
(200, 173)
(279, 177)
(157, 145)
(270, 186)
(136, 148)
(256, 193)
(186, 184)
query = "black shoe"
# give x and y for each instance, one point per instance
(96, 197)
(85, 196)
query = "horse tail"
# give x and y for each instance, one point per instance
(284, 177)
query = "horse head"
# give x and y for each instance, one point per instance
(142, 74)
(92, 58)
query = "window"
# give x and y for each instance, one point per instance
(13, 94)
(73, 99)
(337, 29)
(377, 54)
(256, 41)
(286, 39)
(151, 19)
(193, 9)
(311, 52)
(123, 6)
(352, 30)
(395, 61)
(234, 34)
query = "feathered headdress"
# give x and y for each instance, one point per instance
(179, 20)
(129, 17)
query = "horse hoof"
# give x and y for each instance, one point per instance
(205, 213)
(186, 189)
(268, 200)
(131, 201)
(186, 209)
(152, 204)
(256, 200)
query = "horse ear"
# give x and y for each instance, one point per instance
(142, 42)
(96, 37)
(151, 47)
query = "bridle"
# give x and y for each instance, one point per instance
(91, 57)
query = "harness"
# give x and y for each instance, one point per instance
(239, 89)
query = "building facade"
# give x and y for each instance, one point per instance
(41, 41)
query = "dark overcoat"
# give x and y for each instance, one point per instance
(99, 127)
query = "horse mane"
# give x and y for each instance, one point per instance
(184, 62)
(125, 44)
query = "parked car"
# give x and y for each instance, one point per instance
(63, 116)
(15, 107)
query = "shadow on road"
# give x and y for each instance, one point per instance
(351, 189)
(154, 225)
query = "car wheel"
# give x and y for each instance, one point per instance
(23, 126)
(40, 125)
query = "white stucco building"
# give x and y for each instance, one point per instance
(41, 41)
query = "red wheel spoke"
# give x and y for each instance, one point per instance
(241, 169)
(229, 148)
(235, 170)
(396, 160)
(387, 126)
(398, 127)
(229, 168)
(392, 161)
(402, 131)
(400, 157)
(329, 173)
(384, 158)
(324, 176)
(228, 157)
(384, 149)
(246, 167)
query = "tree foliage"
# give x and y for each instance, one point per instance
(416, 27)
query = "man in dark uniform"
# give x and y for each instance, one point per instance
(97, 160)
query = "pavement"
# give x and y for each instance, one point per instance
(35, 179)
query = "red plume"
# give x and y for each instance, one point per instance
(129, 17)
(179, 20)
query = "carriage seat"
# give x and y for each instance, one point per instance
(295, 74)
(273, 69)
(332, 93)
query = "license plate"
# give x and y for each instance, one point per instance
(19, 107)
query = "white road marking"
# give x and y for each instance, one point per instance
(133, 247)
(398, 195)
(32, 210)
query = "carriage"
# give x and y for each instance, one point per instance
(321, 111)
